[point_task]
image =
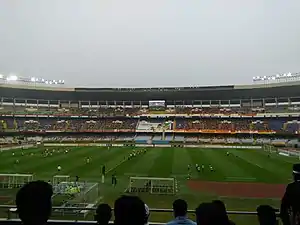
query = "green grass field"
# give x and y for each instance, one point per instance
(242, 165)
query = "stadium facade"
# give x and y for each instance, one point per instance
(187, 95)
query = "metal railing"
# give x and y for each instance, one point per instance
(151, 210)
(11, 210)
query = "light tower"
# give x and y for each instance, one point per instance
(278, 78)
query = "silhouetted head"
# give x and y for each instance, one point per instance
(296, 172)
(180, 207)
(212, 214)
(129, 210)
(205, 214)
(34, 202)
(103, 214)
(221, 208)
(266, 215)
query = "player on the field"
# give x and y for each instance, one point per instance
(189, 175)
(17, 161)
(13, 154)
(189, 166)
(199, 169)
(202, 167)
(227, 153)
(88, 160)
(103, 174)
(22, 153)
(196, 166)
(211, 168)
(58, 168)
(114, 179)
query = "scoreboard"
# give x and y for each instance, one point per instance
(157, 104)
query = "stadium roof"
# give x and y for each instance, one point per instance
(275, 90)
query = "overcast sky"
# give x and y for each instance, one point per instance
(132, 43)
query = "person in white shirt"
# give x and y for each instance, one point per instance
(59, 168)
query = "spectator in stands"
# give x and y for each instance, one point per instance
(180, 213)
(103, 214)
(129, 210)
(266, 215)
(222, 210)
(290, 204)
(34, 203)
(205, 214)
(210, 214)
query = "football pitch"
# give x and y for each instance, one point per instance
(243, 179)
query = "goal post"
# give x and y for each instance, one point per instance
(152, 185)
(14, 180)
(269, 148)
(60, 178)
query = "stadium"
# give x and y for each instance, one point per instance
(234, 143)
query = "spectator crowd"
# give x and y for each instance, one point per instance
(34, 206)
(204, 125)
(130, 110)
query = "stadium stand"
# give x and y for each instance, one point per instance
(231, 115)
(248, 110)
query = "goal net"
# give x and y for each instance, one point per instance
(14, 180)
(80, 195)
(77, 192)
(152, 185)
(269, 148)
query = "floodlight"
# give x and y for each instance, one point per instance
(32, 79)
(46, 82)
(1, 76)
